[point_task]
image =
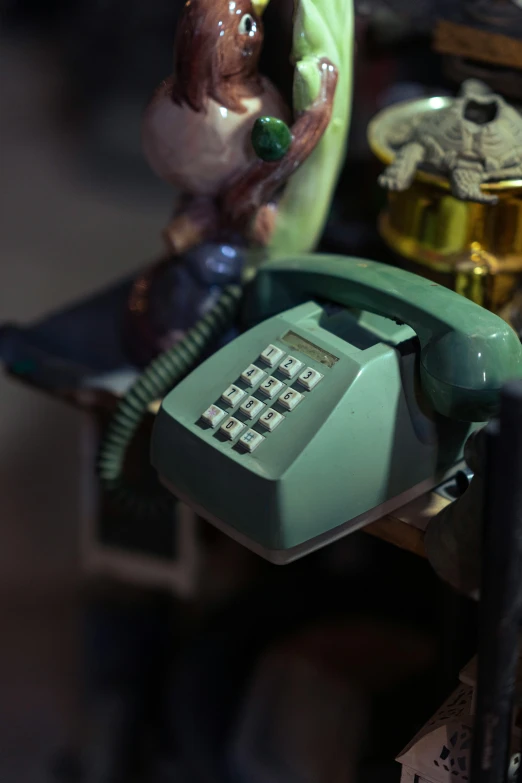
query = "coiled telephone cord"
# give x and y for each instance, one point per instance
(147, 503)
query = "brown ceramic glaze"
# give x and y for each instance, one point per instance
(218, 44)
(197, 151)
(250, 194)
(196, 131)
(197, 128)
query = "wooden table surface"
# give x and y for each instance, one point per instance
(405, 528)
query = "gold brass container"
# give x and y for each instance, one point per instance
(475, 249)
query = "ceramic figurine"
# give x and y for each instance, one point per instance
(475, 140)
(222, 135)
(197, 128)
(454, 207)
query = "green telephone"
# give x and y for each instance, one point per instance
(353, 391)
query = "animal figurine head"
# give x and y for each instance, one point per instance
(217, 50)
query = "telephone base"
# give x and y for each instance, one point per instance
(285, 556)
(333, 431)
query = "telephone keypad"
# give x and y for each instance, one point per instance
(233, 395)
(272, 355)
(232, 427)
(213, 416)
(290, 366)
(309, 378)
(252, 407)
(271, 419)
(290, 399)
(271, 387)
(252, 375)
(250, 440)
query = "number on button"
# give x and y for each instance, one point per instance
(271, 387)
(252, 375)
(272, 355)
(310, 378)
(232, 427)
(271, 419)
(233, 395)
(290, 367)
(290, 399)
(251, 407)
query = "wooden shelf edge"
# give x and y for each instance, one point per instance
(398, 533)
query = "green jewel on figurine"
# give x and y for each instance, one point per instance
(271, 138)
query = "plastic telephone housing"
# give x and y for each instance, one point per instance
(407, 369)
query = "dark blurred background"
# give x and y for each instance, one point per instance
(103, 682)
(78, 210)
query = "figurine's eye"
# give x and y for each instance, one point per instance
(247, 25)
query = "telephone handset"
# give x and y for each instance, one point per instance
(311, 423)
(467, 353)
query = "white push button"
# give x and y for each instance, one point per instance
(290, 366)
(290, 399)
(251, 407)
(233, 395)
(310, 378)
(232, 427)
(272, 355)
(271, 419)
(252, 375)
(250, 440)
(271, 387)
(213, 416)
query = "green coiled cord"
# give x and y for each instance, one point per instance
(157, 380)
